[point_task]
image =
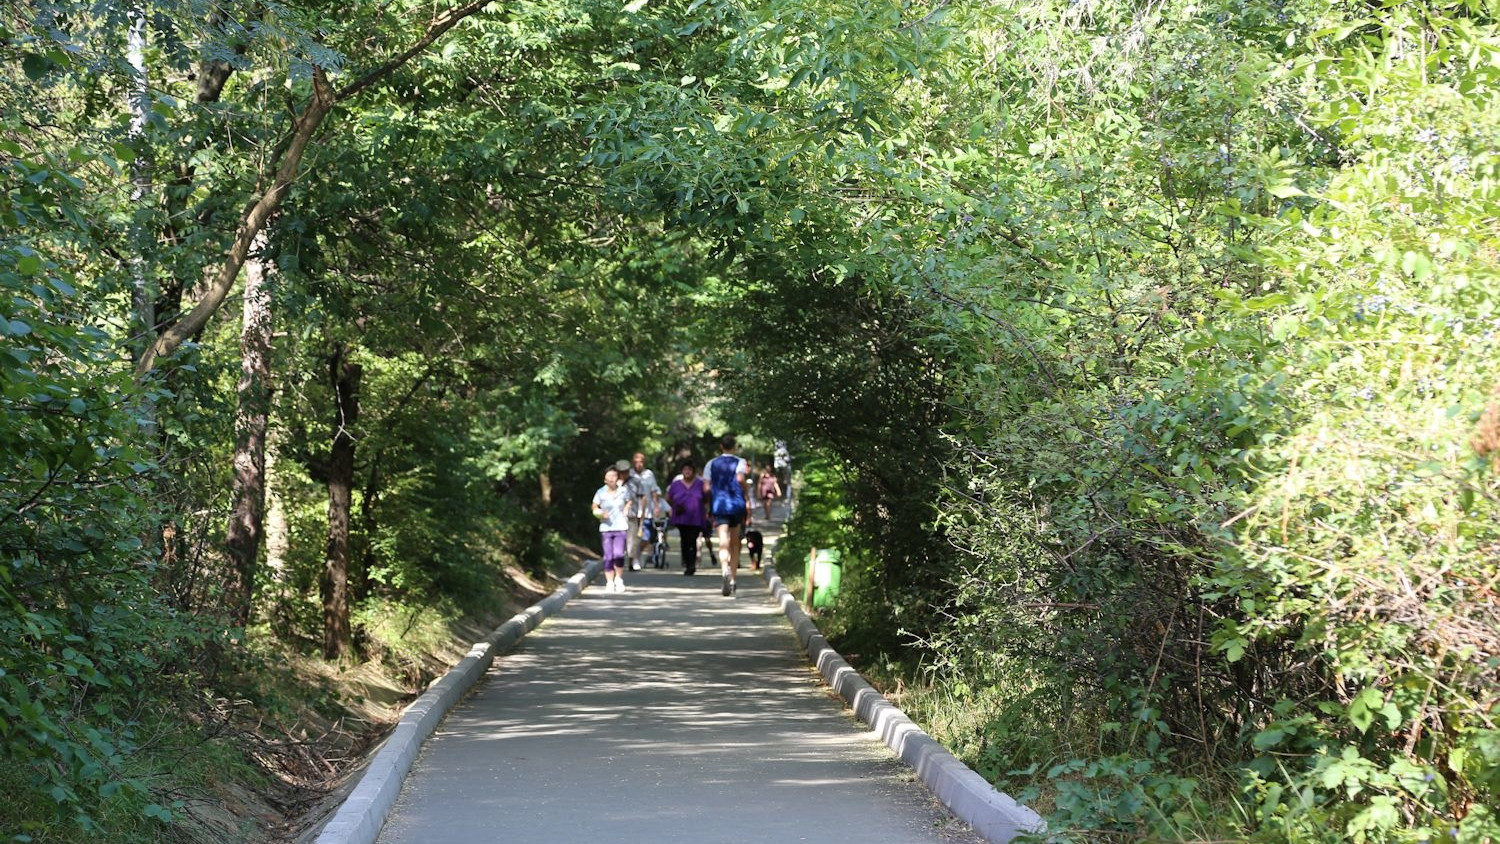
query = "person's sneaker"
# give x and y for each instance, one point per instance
(619, 584)
(733, 587)
(635, 565)
(724, 579)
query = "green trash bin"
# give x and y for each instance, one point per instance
(827, 571)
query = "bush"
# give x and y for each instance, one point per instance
(84, 637)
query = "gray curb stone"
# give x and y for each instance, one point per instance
(362, 814)
(996, 816)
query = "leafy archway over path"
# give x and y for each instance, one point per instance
(1150, 343)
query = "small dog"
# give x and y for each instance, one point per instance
(754, 543)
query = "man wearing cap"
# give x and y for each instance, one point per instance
(644, 495)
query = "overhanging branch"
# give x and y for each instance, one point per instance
(324, 98)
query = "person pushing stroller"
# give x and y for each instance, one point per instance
(640, 482)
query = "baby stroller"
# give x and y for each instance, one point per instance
(656, 534)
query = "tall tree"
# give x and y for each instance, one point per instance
(344, 376)
(252, 419)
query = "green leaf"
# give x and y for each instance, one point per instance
(1363, 708)
(1234, 649)
(1267, 739)
(81, 456)
(1261, 303)
(1392, 715)
(1285, 326)
(36, 66)
(1416, 265)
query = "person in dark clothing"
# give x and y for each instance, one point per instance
(688, 494)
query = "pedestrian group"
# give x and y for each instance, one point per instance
(716, 503)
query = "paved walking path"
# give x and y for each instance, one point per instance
(664, 714)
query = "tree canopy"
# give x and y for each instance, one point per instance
(1141, 357)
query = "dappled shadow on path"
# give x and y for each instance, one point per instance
(667, 713)
(672, 655)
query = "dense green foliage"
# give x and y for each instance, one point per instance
(440, 268)
(1212, 288)
(84, 628)
(1142, 355)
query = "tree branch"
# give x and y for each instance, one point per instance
(435, 30)
(323, 100)
(250, 226)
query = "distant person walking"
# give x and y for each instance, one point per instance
(688, 495)
(644, 496)
(782, 460)
(729, 491)
(609, 507)
(769, 489)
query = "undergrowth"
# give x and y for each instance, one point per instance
(239, 749)
(185, 767)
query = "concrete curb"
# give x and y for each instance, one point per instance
(997, 817)
(362, 814)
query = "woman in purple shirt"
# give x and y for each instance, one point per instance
(686, 495)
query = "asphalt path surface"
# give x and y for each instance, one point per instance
(667, 713)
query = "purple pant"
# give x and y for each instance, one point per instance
(614, 548)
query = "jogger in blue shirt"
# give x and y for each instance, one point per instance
(729, 487)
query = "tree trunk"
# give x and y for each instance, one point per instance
(345, 375)
(140, 186)
(248, 495)
(278, 531)
(369, 525)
